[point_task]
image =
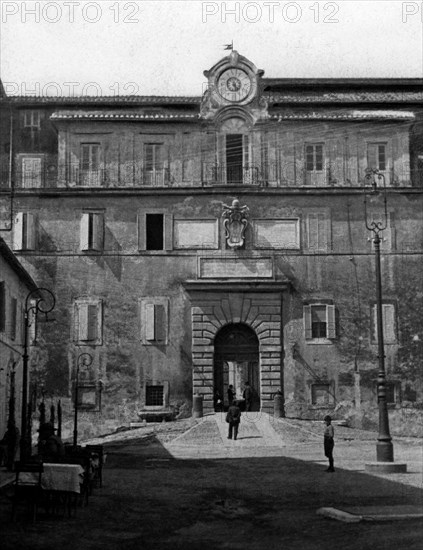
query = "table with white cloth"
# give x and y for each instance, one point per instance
(59, 477)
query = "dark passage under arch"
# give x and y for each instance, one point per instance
(236, 360)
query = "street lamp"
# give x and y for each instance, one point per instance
(38, 300)
(84, 359)
(384, 447)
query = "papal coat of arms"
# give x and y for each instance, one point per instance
(235, 222)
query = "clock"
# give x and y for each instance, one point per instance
(234, 84)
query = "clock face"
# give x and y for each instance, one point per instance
(234, 84)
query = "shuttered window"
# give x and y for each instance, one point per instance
(154, 320)
(314, 157)
(88, 322)
(388, 323)
(155, 231)
(24, 231)
(92, 231)
(376, 156)
(90, 156)
(317, 227)
(319, 322)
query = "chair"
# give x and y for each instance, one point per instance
(27, 486)
(97, 460)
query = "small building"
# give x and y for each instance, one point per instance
(15, 286)
(197, 242)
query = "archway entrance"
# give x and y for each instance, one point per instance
(236, 360)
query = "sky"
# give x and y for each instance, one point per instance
(162, 47)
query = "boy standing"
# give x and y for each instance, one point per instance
(328, 442)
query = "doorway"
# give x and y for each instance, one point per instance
(236, 360)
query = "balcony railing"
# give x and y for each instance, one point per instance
(207, 174)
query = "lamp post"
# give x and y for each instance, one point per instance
(39, 300)
(84, 359)
(384, 447)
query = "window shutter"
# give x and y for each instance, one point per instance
(92, 321)
(83, 322)
(84, 239)
(160, 323)
(142, 234)
(95, 157)
(372, 157)
(18, 232)
(149, 322)
(322, 228)
(389, 322)
(309, 158)
(168, 232)
(319, 158)
(13, 314)
(313, 231)
(381, 164)
(30, 232)
(98, 231)
(2, 306)
(307, 322)
(331, 322)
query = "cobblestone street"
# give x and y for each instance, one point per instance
(184, 485)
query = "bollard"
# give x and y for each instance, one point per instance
(197, 406)
(278, 411)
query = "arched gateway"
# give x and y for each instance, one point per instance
(236, 360)
(236, 335)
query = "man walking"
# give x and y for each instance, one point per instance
(233, 417)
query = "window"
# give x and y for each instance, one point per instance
(155, 231)
(88, 322)
(314, 164)
(319, 322)
(32, 171)
(13, 317)
(153, 164)
(24, 232)
(92, 231)
(317, 229)
(376, 156)
(314, 157)
(322, 395)
(389, 323)
(32, 119)
(154, 321)
(2, 306)
(154, 396)
(90, 165)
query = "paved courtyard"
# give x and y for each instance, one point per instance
(184, 485)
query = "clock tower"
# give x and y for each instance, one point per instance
(234, 86)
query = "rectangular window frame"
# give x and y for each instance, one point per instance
(319, 239)
(380, 155)
(92, 231)
(167, 231)
(154, 321)
(32, 119)
(87, 330)
(25, 232)
(165, 404)
(90, 170)
(330, 323)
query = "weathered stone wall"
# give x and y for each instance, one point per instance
(122, 274)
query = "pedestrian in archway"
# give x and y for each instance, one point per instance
(328, 442)
(248, 396)
(233, 417)
(231, 394)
